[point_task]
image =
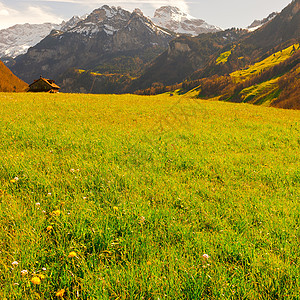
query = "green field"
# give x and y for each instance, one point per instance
(119, 197)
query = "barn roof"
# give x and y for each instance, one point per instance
(50, 82)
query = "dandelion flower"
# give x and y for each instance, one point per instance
(116, 208)
(205, 256)
(14, 263)
(72, 254)
(49, 228)
(60, 293)
(24, 272)
(36, 280)
(56, 212)
(15, 180)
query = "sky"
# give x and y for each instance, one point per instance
(225, 14)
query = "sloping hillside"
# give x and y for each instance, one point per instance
(184, 56)
(272, 81)
(223, 52)
(9, 82)
(261, 68)
(279, 33)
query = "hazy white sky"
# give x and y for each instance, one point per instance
(225, 14)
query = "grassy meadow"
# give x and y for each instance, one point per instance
(130, 197)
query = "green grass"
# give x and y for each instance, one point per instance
(140, 188)
(265, 64)
(260, 91)
(223, 58)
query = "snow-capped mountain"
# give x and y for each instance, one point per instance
(65, 26)
(110, 20)
(109, 37)
(258, 23)
(177, 21)
(18, 39)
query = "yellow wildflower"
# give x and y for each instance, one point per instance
(36, 280)
(14, 180)
(60, 293)
(42, 276)
(72, 254)
(56, 212)
(149, 263)
(116, 208)
(49, 228)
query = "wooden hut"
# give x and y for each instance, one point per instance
(44, 85)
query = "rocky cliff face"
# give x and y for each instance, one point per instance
(185, 55)
(107, 33)
(175, 20)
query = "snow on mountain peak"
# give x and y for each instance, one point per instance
(106, 18)
(174, 19)
(166, 13)
(72, 22)
(18, 39)
(111, 19)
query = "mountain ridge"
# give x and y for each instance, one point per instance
(105, 34)
(263, 67)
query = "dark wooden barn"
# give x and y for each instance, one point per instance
(44, 85)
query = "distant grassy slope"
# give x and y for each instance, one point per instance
(261, 93)
(265, 64)
(9, 82)
(138, 189)
(273, 81)
(280, 32)
(223, 57)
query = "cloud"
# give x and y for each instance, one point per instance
(31, 14)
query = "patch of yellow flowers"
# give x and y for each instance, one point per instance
(37, 279)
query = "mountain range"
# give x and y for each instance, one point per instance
(112, 50)
(16, 40)
(109, 40)
(260, 67)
